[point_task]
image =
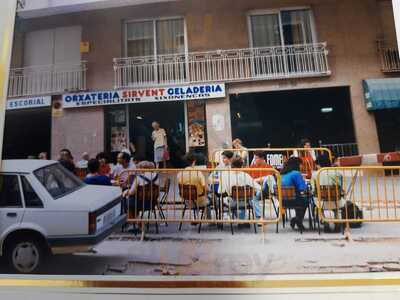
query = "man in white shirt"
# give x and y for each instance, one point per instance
(144, 178)
(214, 178)
(231, 178)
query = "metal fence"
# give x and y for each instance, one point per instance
(200, 197)
(276, 157)
(277, 62)
(341, 150)
(389, 56)
(40, 80)
(353, 195)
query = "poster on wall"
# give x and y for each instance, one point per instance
(196, 124)
(119, 138)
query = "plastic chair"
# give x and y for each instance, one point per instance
(243, 195)
(146, 197)
(188, 192)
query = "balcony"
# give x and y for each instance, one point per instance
(51, 79)
(269, 63)
(389, 56)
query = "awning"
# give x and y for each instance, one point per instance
(382, 93)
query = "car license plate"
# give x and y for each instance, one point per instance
(108, 217)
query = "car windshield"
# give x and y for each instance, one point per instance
(58, 181)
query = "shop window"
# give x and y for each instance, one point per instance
(117, 129)
(196, 115)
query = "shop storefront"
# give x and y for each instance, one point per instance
(382, 98)
(283, 118)
(27, 127)
(128, 115)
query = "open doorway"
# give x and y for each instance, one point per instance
(27, 133)
(171, 116)
(388, 124)
(283, 118)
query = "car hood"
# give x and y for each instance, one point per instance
(88, 198)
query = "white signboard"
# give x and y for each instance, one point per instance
(33, 102)
(161, 94)
(275, 160)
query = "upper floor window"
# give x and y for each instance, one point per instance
(281, 27)
(155, 37)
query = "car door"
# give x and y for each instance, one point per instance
(34, 207)
(11, 207)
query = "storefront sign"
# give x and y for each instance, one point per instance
(275, 160)
(23, 103)
(162, 94)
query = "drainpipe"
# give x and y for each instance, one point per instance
(7, 20)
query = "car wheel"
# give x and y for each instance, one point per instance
(24, 255)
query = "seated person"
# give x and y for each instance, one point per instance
(120, 173)
(327, 178)
(150, 178)
(238, 178)
(94, 177)
(214, 178)
(291, 177)
(264, 178)
(83, 163)
(66, 160)
(105, 168)
(307, 157)
(191, 176)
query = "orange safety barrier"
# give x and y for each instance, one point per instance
(354, 195)
(201, 196)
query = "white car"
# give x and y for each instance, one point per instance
(45, 209)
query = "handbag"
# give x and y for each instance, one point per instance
(166, 155)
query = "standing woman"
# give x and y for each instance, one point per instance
(159, 137)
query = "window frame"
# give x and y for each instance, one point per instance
(48, 192)
(20, 191)
(23, 194)
(278, 11)
(154, 21)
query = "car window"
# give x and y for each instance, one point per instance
(32, 200)
(10, 194)
(58, 181)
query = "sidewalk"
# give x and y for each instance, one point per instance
(373, 248)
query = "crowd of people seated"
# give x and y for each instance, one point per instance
(223, 182)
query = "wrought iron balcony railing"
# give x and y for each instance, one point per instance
(269, 63)
(51, 79)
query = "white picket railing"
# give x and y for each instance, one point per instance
(41, 80)
(279, 62)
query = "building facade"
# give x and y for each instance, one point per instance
(268, 72)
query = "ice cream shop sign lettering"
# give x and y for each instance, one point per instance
(162, 94)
